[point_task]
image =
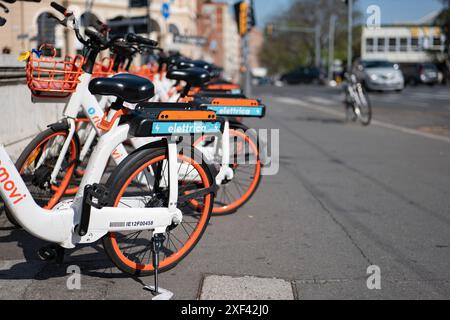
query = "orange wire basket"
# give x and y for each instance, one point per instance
(50, 77)
(103, 68)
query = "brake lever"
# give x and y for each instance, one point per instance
(146, 49)
(5, 8)
(61, 22)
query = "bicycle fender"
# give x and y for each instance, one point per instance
(59, 126)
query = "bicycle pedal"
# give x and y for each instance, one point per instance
(52, 253)
(97, 196)
(47, 253)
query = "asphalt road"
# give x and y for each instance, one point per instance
(346, 197)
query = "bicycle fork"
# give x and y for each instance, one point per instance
(158, 236)
(225, 173)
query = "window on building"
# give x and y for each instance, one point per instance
(88, 19)
(46, 30)
(122, 25)
(392, 44)
(437, 41)
(381, 45)
(403, 44)
(173, 29)
(415, 46)
(370, 45)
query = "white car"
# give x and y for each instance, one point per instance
(378, 75)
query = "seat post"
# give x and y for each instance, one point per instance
(186, 90)
(118, 104)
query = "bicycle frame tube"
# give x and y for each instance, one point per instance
(58, 225)
(225, 171)
(65, 148)
(94, 111)
(88, 143)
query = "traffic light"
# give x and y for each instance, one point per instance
(241, 9)
(269, 29)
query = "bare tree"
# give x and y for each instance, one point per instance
(286, 50)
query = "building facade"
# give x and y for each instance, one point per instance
(216, 22)
(402, 43)
(28, 25)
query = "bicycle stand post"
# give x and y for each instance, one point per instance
(159, 293)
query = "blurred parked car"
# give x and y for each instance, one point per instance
(416, 73)
(302, 75)
(379, 75)
(262, 81)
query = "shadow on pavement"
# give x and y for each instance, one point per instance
(91, 260)
(321, 120)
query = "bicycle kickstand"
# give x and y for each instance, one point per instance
(159, 293)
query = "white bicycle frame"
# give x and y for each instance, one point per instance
(94, 111)
(59, 225)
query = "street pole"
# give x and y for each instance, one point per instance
(248, 83)
(65, 4)
(350, 36)
(149, 23)
(22, 25)
(317, 45)
(333, 20)
(246, 55)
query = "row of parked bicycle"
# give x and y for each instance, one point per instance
(142, 157)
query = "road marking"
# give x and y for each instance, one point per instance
(429, 95)
(386, 125)
(322, 101)
(245, 288)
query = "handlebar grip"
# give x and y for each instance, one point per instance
(134, 38)
(60, 9)
(95, 36)
(2, 21)
(100, 26)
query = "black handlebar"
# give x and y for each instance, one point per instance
(134, 38)
(61, 9)
(5, 8)
(96, 37)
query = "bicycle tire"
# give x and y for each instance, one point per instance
(367, 118)
(221, 207)
(117, 185)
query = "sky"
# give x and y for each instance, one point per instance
(392, 11)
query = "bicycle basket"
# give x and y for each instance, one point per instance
(103, 68)
(51, 78)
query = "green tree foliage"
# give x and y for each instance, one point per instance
(284, 50)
